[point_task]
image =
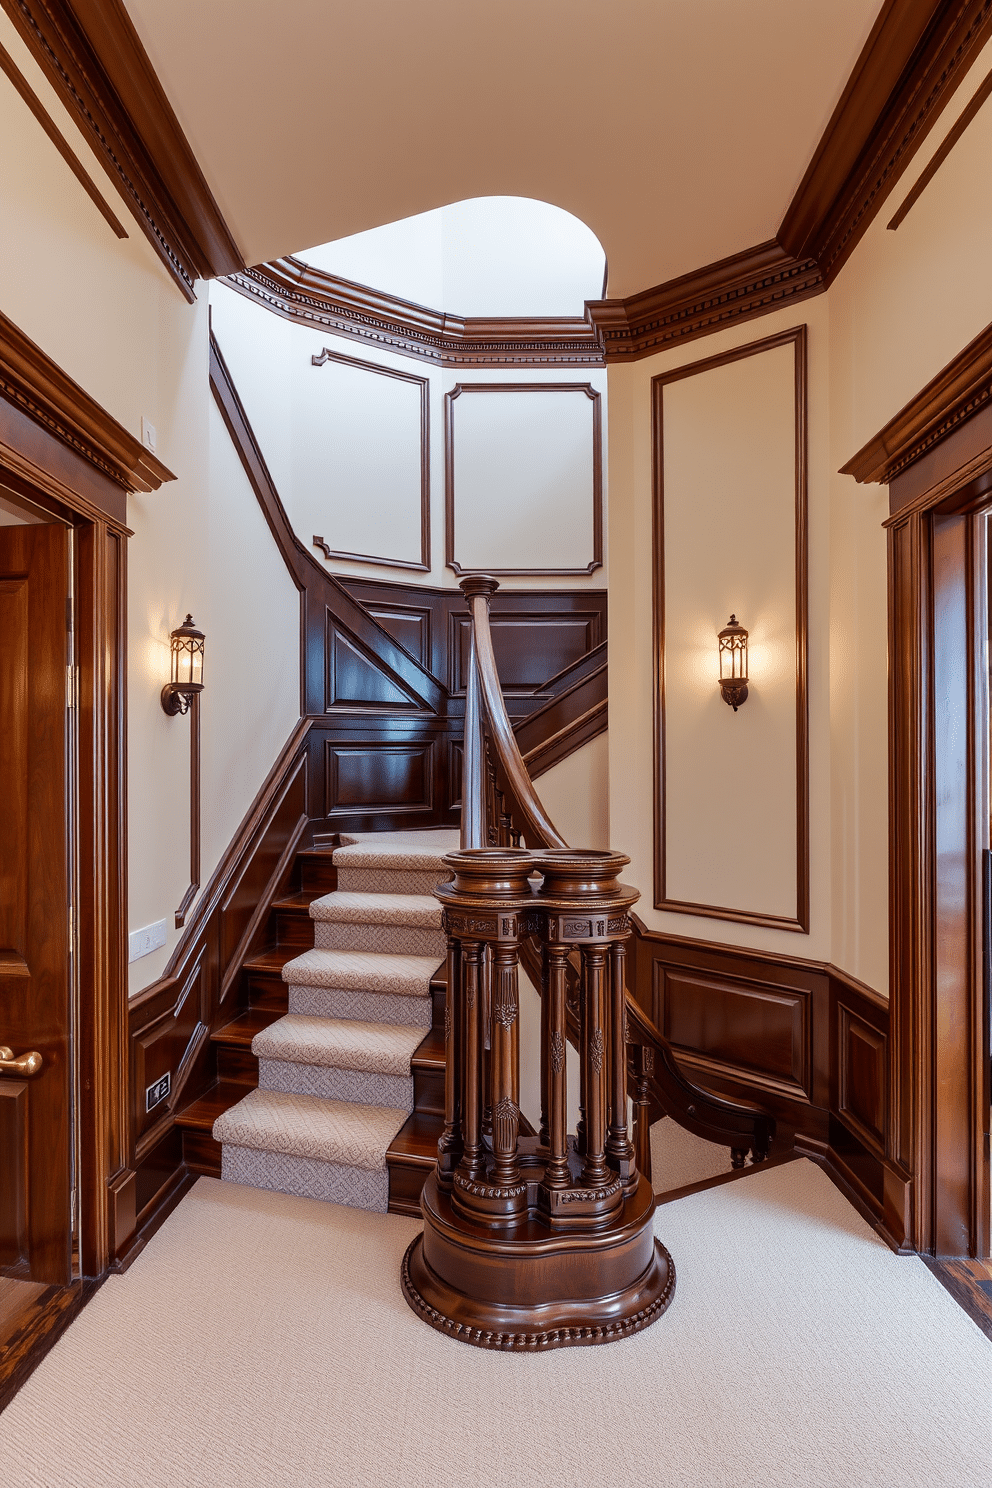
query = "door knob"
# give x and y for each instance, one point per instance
(24, 1065)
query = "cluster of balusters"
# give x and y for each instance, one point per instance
(576, 909)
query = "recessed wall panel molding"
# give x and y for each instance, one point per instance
(363, 462)
(523, 478)
(732, 787)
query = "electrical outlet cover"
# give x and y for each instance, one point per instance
(142, 942)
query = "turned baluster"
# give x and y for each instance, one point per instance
(619, 1147)
(449, 1147)
(544, 1136)
(595, 1170)
(505, 1065)
(643, 1070)
(555, 959)
(485, 1074)
(471, 1164)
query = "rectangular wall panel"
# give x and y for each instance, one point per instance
(378, 777)
(529, 649)
(761, 1030)
(862, 1087)
(523, 472)
(731, 808)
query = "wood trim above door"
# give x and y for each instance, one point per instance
(800, 922)
(91, 54)
(36, 385)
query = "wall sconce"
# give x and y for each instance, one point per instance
(182, 695)
(186, 647)
(733, 663)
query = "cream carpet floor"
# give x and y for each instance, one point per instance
(262, 1339)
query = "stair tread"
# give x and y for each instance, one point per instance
(271, 960)
(362, 971)
(342, 1132)
(339, 1043)
(201, 1114)
(300, 901)
(415, 1144)
(419, 911)
(430, 1053)
(388, 855)
(242, 1030)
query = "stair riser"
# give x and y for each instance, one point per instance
(389, 880)
(327, 1083)
(202, 1154)
(366, 1007)
(428, 1090)
(406, 1183)
(306, 1177)
(294, 927)
(318, 875)
(268, 992)
(339, 935)
(238, 1064)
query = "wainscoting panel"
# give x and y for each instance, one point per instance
(356, 680)
(164, 1046)
(862, 1093)
(529, 648)
(738, 1029)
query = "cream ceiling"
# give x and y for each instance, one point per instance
(678, 130)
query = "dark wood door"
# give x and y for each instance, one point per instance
(35, 1002)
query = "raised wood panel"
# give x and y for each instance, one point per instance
(757, 1031)
(14, 1188)
(410, 625)
(355, 679)
(162, 1046)
(14, 764)
(862, 1084)
(529, 648)
(378, 777)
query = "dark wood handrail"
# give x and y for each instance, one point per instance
(498, 812)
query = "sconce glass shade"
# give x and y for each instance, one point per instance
(186, 651)
(733, 663)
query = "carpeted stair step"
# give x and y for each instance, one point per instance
(377, 868)
(408, 924)
(318, 1149)
(339, 1060)
(373, 987)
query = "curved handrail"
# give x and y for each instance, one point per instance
(538, 827)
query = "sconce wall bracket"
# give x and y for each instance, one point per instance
(734, 693)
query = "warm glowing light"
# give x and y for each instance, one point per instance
(186, 647)
(733, 663)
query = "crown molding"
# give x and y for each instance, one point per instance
(736, 289)
(916, 56)
(34, 383)
(312, 297)
(94, 59)
(961, 389)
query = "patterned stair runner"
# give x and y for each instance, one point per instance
(335, 1077)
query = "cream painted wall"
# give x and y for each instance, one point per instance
(108, 313)
(576, 794)
(271, 363)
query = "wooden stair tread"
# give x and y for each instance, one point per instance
(240, 1031)
(430, 1054)
(271, 960)
(201, 1115)
(299, 902)
(415, 1144)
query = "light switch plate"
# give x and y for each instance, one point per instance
(148, 435)
(143, 942)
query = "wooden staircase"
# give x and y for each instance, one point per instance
(264, 999)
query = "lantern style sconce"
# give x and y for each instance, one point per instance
(733, 663)
(182, 695)
(186, 647)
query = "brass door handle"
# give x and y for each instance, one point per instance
(25, 1065)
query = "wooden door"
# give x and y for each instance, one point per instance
(35, 1000)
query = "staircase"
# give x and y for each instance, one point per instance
(331, 1083)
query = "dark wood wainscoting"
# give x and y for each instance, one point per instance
(800, 1038)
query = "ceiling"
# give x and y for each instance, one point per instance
(678, 130)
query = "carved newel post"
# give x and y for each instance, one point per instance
(536, 1241)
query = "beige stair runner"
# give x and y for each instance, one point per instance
(335, 1081)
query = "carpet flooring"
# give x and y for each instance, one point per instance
(262, 1339)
